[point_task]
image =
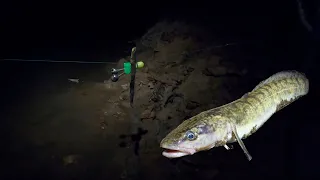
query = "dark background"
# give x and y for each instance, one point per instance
(271, 32)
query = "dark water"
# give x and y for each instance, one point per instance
(33, 97)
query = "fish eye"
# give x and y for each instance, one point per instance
(190, 135)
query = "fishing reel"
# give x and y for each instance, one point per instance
(117, 73)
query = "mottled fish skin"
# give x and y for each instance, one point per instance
(247, 114)
(254, 108)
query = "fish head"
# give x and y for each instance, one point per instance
(194, 135)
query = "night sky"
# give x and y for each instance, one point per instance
(89, 31)
(70, 31)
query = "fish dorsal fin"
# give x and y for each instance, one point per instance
(279, 76)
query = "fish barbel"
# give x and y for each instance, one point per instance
(236, 120)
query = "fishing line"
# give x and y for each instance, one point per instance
(103, 62)
(52, 61)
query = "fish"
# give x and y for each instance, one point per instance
(237, 120)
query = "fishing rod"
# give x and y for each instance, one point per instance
(129, 67)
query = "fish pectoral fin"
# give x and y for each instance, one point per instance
(243, 147)
(228, 147)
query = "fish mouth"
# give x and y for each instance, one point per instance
(171, 152)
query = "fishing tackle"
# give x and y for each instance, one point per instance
(117, 73)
